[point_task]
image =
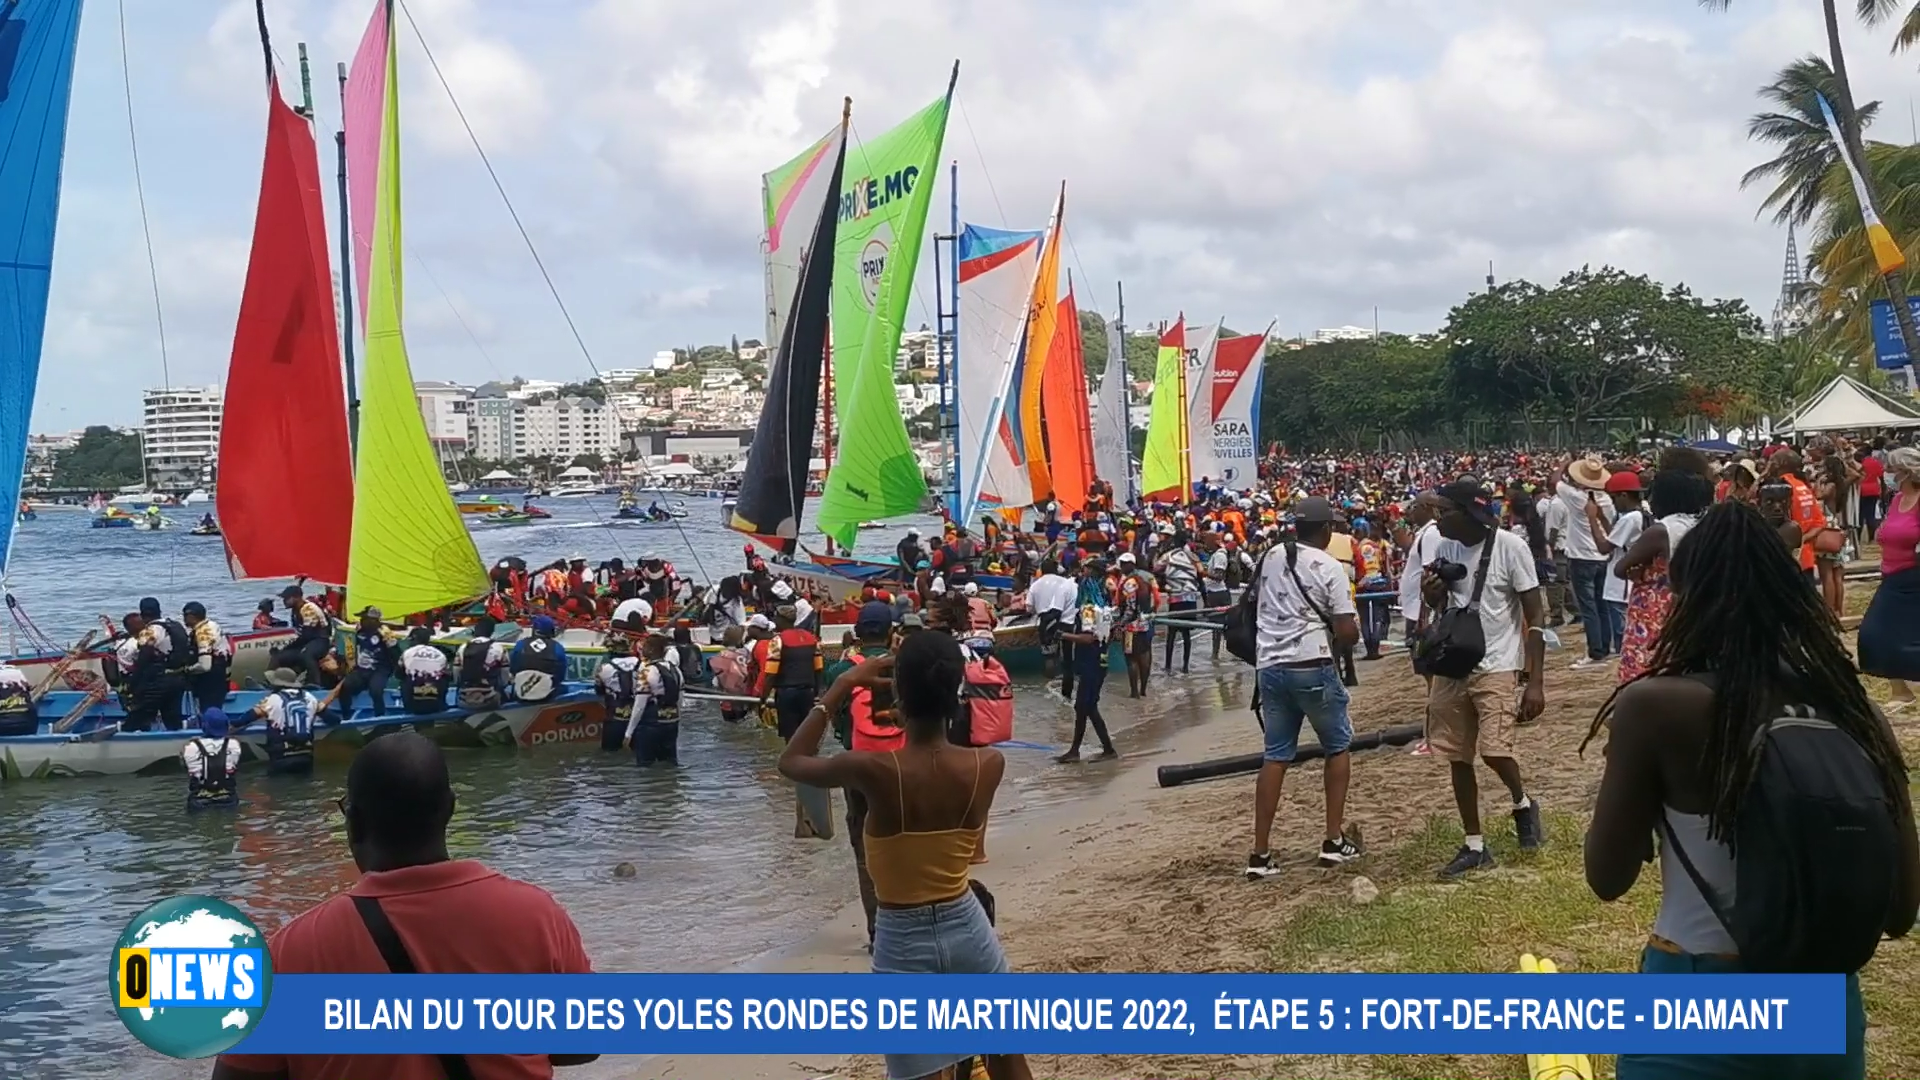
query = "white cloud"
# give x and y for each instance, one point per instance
(1223, 157)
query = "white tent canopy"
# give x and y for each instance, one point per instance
(674, 468)
(1846, 404)
(499, 474)
(579, 472)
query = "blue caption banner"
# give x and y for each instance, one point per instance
(1053, 1014)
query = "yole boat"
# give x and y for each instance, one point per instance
(76, 742)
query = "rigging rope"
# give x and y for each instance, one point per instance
(538, 262)
(146, 228)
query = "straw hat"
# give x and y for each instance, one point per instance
(1589, 472)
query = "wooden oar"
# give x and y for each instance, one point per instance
(94, 697)
(59, 671)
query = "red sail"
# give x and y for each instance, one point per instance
(285, 487)
(1064, 406)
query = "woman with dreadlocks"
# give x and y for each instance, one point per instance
(1746, 643)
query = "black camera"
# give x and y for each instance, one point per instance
(1447, 570)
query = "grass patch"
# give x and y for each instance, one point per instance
(1534, 902)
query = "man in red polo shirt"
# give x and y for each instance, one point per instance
(416, 909)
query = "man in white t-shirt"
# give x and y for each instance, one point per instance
(1553, 515)
(1305, 613)
(1475, 715)
(1629, 521)
(1421, 550)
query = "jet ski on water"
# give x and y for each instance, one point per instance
(207, 527)
(653, 511)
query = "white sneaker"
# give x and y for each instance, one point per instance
(1586, 662)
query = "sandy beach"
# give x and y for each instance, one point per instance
(1145, 879)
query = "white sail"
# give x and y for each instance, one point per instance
(996, 278)
(1201, 463)
(1110, 450)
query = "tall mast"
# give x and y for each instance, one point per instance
(1126, 391)
(946, 305)
(346, 272)
(306, 84)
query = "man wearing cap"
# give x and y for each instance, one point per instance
(1305, 618)
(1623, 489)
(376, 656)
(1583, 484)
(867, 723)
(212, 653)
(1475, 715)
(313, 631)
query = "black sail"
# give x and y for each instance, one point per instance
(774, 487)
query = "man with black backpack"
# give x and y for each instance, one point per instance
(1485, 655)
(1304, 615)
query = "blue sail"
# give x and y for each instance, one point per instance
(37, 41)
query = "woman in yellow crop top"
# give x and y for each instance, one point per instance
(927, 810)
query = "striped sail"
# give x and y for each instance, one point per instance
(996, 277)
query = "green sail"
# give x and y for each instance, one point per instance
(410, 551)
(883, 215)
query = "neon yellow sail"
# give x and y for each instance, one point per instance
(410, 552)
(1163, 462)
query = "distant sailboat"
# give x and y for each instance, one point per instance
(285, 497)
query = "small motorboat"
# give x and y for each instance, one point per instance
(873, 525)
(204, 530)
(535, 513)
(510, 517)
(114, 519)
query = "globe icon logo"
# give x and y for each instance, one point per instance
(190, 976)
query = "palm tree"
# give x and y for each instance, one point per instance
(1870, 11)
(1807, 156)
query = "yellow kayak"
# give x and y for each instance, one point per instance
(1553, 1066)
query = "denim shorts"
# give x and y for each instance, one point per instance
(1851, 1065)
(1316, 695)
(953, 938)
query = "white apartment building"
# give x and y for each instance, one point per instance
(664, 360)
(508, 429)
(446, 409)
(1343, 333)
(180, 435)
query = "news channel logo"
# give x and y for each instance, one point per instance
(190, 976)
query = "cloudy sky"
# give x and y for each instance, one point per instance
(1253, 159)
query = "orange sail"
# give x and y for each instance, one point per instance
(1043, 320)
(1065, 411)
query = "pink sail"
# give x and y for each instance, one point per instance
(364, 113)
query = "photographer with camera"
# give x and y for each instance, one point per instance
(1485, 654)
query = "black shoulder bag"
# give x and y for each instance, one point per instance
(1455, 642)
(394, 952)
(1240, 629)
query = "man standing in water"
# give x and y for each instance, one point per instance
(417, 910)
(1476, 714)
